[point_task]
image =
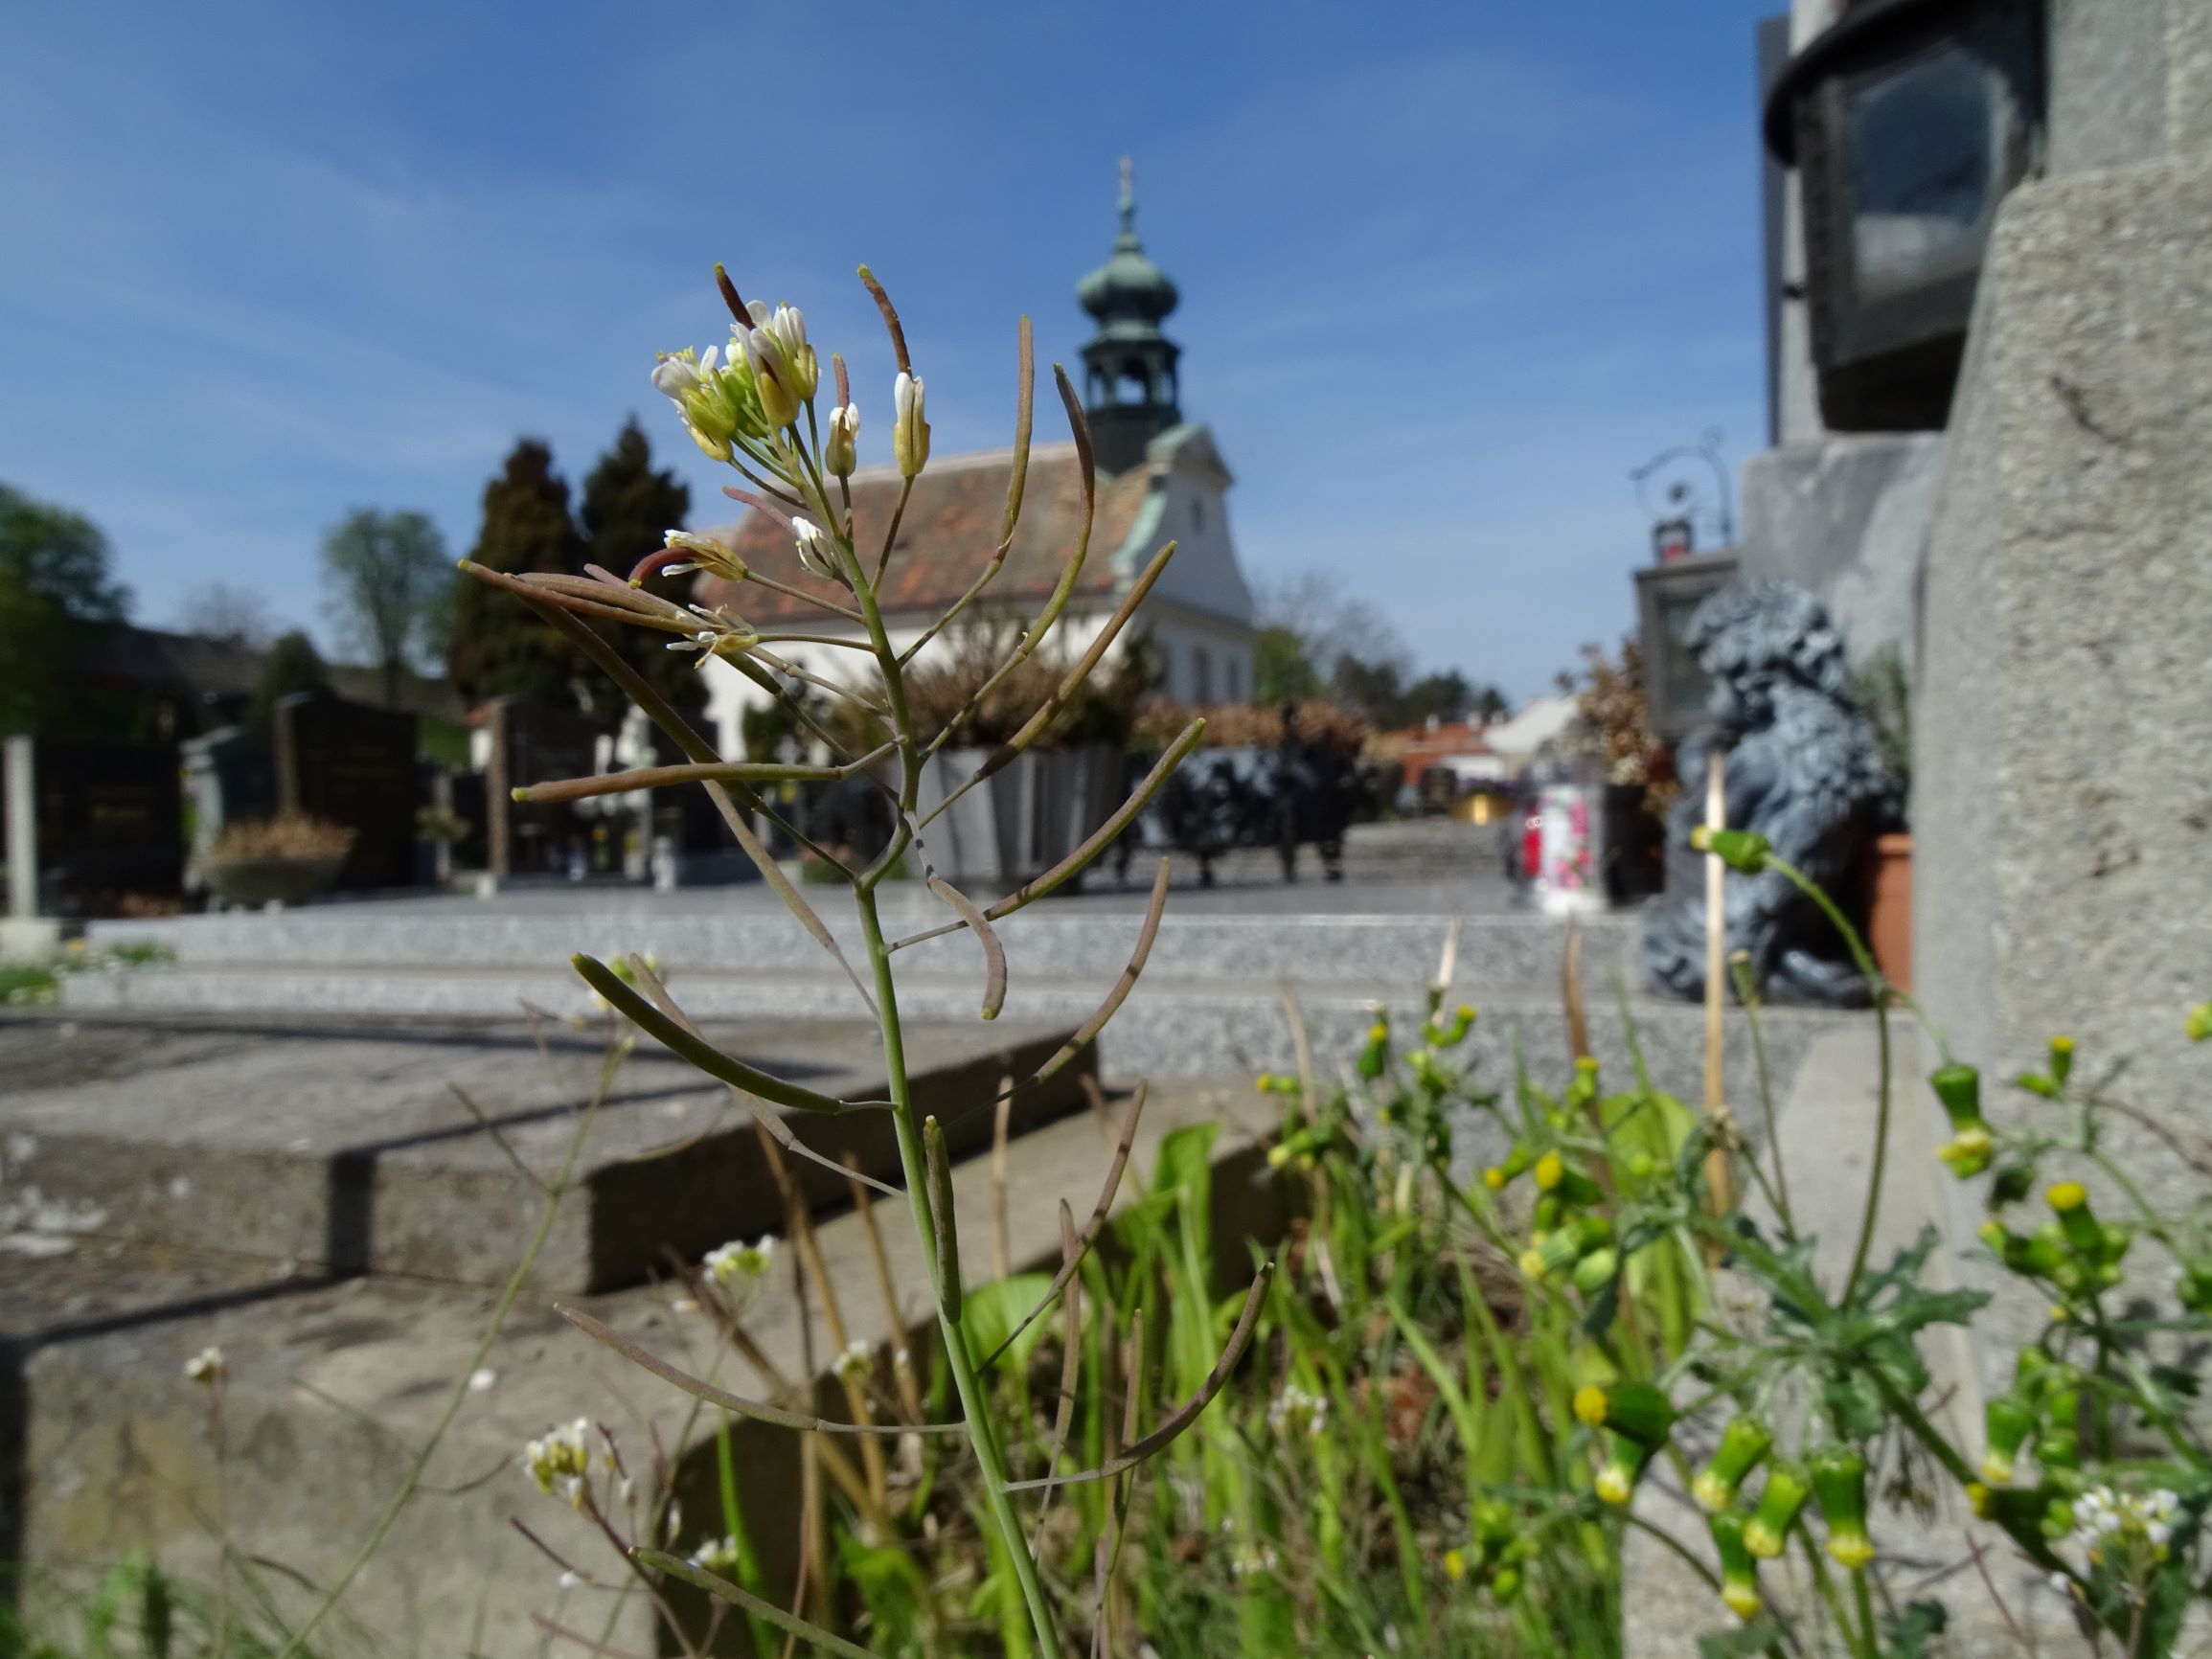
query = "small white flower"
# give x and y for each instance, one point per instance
(816, 552)
(1296, 1412)
(717, 1556)
(729, 638)
(856, 1363)
(569, 1581)
(559, 1462)
(909, 430)
(840, 451)
(481, 1379)
(1248, 1561)
(784, 366)
(727, 1262)
(680, 373)
(675, 1521)
(207, 1366)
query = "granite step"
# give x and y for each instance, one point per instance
(350, 1144)
(332, 1387)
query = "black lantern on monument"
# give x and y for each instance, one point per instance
(1907, 121)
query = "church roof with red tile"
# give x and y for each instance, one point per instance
(947, 536)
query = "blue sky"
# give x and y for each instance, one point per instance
(1447, 271)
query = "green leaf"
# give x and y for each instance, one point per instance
(1186, 1160)
(1906, 1633)
(990, 1312)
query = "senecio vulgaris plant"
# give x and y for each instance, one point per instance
(2089, 1463)
(754, 405)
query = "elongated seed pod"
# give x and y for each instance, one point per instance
(939, 1169)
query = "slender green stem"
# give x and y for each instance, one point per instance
(1873, 1212)
(1869, 1632)
(982, 1430)
(1825, 1587)
(1688, 1555)
(1881, 990)
(1747, 993)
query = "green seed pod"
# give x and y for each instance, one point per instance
(2014, 1181)
(1559, 1251)
(2058, 1519)
(2059, 1449)
(1743, 1443)
(1376, 1055)
(1959, 1089)
(1840, 1485)
(2077, 1221)
(1596, 1270)
(1624, 1468)
(1498, 1176)
(1739, 1570)
(2008, 1422)
(1743, 851)
(1777, 1512)
(1639, 1410)
(2062, 1059)
(938, 1168)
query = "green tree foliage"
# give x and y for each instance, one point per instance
(626, 511)
(57, 590)
(498, 647)
(1279, 670)
(291, 665)
(388, 581)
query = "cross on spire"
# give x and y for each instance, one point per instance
(1128, 201)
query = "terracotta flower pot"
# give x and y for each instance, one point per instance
(1889, 907)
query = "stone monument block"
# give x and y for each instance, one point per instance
(2062, 799)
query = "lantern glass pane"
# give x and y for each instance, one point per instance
(1923, 149)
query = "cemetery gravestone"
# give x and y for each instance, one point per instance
(533, 742)
(351, 765)
(109, 821)
(231, 776)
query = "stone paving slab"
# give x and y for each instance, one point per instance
(334, 1387)
(346, 1144)
(1049, 941)
(1217, 1026)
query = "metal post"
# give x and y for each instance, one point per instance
(22, 831)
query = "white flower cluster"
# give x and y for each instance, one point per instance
(718, 1556)
(1249, 1560)
(560, 1463)
(1296, 1412)
(207, 1366)
(856, 1364)
(727, 1263)
(2104, 1519)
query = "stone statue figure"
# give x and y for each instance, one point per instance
(1802, 768)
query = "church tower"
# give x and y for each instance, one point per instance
(1128, 365)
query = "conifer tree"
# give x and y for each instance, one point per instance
(626, 510)
(500, 647)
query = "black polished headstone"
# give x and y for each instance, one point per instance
(110, 824)
(353, 766)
